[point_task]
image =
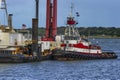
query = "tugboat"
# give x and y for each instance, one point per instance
(74, 47)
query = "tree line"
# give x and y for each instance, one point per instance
(86, 31)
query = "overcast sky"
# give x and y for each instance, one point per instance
(92, 12)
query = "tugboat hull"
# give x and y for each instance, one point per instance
(67, 55)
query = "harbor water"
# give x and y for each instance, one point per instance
(108, 69)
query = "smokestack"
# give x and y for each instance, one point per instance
(10, 21)
(35, 37)
(37, 9)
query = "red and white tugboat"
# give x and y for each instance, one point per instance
(76, 48)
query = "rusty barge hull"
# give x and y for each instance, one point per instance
(18, 59)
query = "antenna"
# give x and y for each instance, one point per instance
(72, 7)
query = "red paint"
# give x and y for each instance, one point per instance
(54, 18)
(47, 39)
(71, 22)
(80, 45)
(51, 19)
(47, 17)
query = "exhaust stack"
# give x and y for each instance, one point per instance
(10, 21)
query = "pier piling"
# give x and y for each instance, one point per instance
(35, 38)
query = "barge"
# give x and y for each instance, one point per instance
(16, 47)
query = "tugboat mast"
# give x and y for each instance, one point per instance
(72, 7)
(70, 30)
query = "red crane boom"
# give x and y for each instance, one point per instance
(51, 20)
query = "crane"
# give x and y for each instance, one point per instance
(51, 20)
(3, 6)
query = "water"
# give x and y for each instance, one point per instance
(67, 70)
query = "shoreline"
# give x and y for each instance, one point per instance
(105, 37)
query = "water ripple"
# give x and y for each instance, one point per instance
(67, 70)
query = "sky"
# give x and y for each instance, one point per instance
(104, 13)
